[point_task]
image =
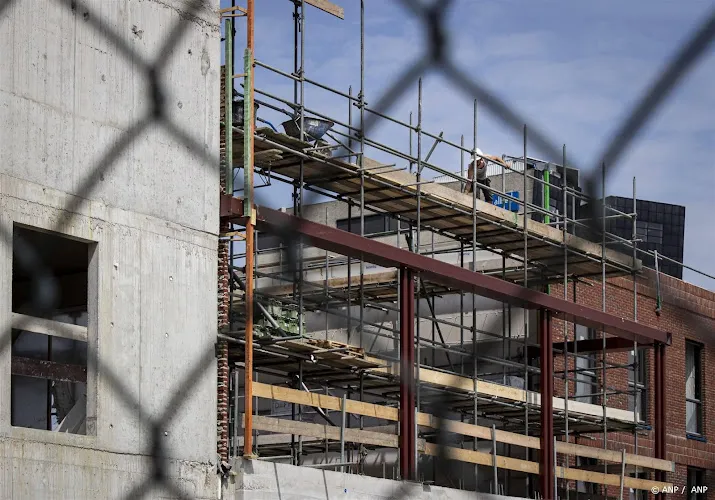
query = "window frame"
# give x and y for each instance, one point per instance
(586, 366)
(640, 390)
(698, 480)
(697, 351)
(40, 325)
(388, 224)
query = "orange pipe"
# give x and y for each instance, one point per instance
(248, 355)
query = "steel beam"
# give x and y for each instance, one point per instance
(546, 455)
(613, 344)
(382, 254)
(52, 370)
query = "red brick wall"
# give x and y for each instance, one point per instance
(688, 312)
(223, 302)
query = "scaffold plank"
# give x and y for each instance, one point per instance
(427, 420)
(385, 440)
(395, 191)
(382, 254)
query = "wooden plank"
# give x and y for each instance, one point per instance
(49, 327)
(466, 384)
(427, 420)
(321, 431)
(395, 183)
(482, 458)
(614, 456)
(328, 7)
(323, 401)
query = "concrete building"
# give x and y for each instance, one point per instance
(131, 243)
(124, 311)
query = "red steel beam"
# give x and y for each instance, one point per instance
(586, 346)
(407, 368)
(411, 387)
(382, 254)
(546, 385)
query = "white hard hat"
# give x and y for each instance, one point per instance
(479, 152)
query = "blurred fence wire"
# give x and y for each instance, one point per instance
(436, 58)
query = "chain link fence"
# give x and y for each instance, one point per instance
(436, 58)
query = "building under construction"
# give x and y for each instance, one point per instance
(408, 324)
(385, 333)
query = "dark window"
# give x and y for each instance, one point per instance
(48, 385)
(693, 389)
(637, 378)
(268, 241)
(696, 488)
(376, 224)
(586, 378)
(638, 494)
(586, 463)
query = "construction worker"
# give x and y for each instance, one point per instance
(481, 176)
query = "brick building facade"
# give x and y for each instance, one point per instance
(688, 312)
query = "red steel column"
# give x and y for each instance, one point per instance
(407, 374)
(546, 468)
(411, 387)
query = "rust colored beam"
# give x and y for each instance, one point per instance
(546, 457)
(382, 254)
(248, 354)
(407, 381)
(613, 344)
(39, 368)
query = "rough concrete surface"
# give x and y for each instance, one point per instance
(67, 93)
(260, 480)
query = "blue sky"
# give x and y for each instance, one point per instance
(574, 69)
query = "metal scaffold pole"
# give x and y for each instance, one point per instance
(418, 243)
(474, 268)
(526, 312)
(636, 358)
(564, 208)
(603, 305)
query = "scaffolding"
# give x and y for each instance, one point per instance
(291, 379)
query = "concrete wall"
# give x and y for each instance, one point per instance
(259, 480)
(66, 96)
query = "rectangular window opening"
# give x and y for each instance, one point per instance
(48, 384)
(637, 377)
(586, 370)
(693, 389)
(696, 488)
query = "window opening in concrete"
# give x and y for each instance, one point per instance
(48, 384)
(693, 389)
